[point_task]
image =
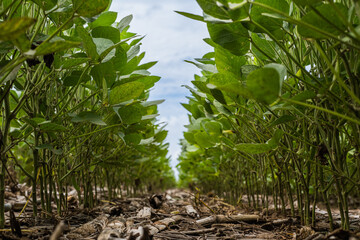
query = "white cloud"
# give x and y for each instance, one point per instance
(170, 39)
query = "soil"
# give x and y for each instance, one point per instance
(174, 214)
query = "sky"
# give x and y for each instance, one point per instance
(170, 39)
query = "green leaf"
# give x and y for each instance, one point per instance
(74, 78)
(271, 24)
(206, 67)
(231, 36)
(72, 62)
(152, 103)
(124, 23)
(191, 16)
(48, 126)
(126, 92)
(303, 96)
(303, 3)
(257, 148)
(282, 119)
(227, 62)
(281, 69)
(14, 28)
(86, 8)
(131, 113)
(213, 128)
(105, 19)
(264, 45)
(161, 136)
(247, 69)
(133, 138)
(275, 140)
(218, 95)
(264, 84)
(253, 148)
(107, 32)
(210, 7)
(189, 136)
(104, 70)
(221, 79)
(45, 4)
(203, 140)
(88, 42)
(331, 24)
(105, 49)
(88, 116)
(51, 47)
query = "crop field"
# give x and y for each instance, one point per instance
(271, 149)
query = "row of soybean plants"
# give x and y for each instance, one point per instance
(74, 104)
(275, 114)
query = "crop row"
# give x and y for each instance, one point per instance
(275, 112)
(74, 106)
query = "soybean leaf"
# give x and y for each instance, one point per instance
(253, 148)
(282, 119)
(131, 113)
(281, 69)
(210, 7)
(51, 47)
(205, 67)
(218, 95)
(189, 136)
(104, 71)
(191, 16)
(231, 36)
(107, 32)
(105, 19)
(48, 126)
(271, 24)
(45, 4)
(304, 3)
(274, 141)
(133, 138)
(264, 84)
(126, 92)
(247, 69)
(72, 62)
(203, 140)
(14, 28)
(88, 42)
(148, 81)
(266, 47)
(213, 128)
(124, 23)
(303, 96)
(325, 18)
(257, 148)
(86, 8)
(226, 62)
(161, 136)
(88, 116)
(105, 49)
(74, 78)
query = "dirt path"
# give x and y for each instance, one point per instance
(176, 214)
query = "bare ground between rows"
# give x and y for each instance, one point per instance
(175, 214)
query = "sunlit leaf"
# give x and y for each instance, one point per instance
(325, 18)
(264, 84)
(91, 8)
(125, 92)
(14, 28)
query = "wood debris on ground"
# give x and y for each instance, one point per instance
(176, 214)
